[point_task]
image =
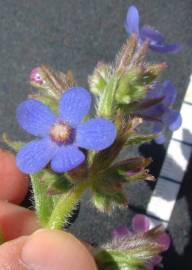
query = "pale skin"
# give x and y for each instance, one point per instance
(27, 246)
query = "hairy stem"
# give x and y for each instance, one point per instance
(65, 206)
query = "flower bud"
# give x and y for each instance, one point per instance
(35, 77)
(129, 88)
(98, 79)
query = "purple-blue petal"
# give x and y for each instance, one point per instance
(35, 117)
(74, 105)
(154, 36)
(154, 111)
(34, 156)
(132, 20)
(165, 48)
(140, 223)
(96, 134)
(158, 127)
(168, 90)
(160, 139)
(121, 231)
(174, 120)
(67, 158)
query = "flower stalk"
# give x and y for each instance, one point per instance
(65, 205)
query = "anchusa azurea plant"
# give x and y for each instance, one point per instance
(80, 133)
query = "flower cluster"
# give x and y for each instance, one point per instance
(141, 228)
(81, 133)
(156, 40)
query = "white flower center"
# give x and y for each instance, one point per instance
(61, 132)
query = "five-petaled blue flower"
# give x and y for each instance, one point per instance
(163, 112)
(61, 136)
(156, 40)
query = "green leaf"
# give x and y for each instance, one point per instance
(15, 145)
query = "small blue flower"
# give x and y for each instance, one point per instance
(61, 136)
(156, 40)
(163, 112)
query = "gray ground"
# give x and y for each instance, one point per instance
(74, 35)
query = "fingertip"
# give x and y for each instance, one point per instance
(13, 183)
(16, 221)
(10, 254)
(52, 249)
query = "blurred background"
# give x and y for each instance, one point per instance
(75, 34)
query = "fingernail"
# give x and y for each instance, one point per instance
(48, 250)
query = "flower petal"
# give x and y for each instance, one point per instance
(169, 92)
(74, 105)
(174, 120)
(160, 139)
(165, 48)
(121, 231)
(164, 240)
(67, 158)
(151, 34)
(140, 223)
(156, 260)
(132, 20)
(155, 111)
(35, 117)
(35, 155)
(96, 134)
(158, 127)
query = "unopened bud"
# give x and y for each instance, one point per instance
(98, 79)
(35, 76)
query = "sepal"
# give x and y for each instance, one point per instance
(107, 196)
(106, 106)
(129, 88)
(131, 164)
(135, 138)
(99, 79)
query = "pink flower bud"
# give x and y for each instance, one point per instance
(35, 76)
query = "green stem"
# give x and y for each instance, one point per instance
(43, 203)
(65, 205)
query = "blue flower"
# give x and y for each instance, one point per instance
(156, 40)
(163, 113)
(61, 136)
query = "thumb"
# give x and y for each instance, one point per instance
(52, 249)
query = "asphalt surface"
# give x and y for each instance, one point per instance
(75, 34)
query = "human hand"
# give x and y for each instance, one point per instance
(28, 247)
